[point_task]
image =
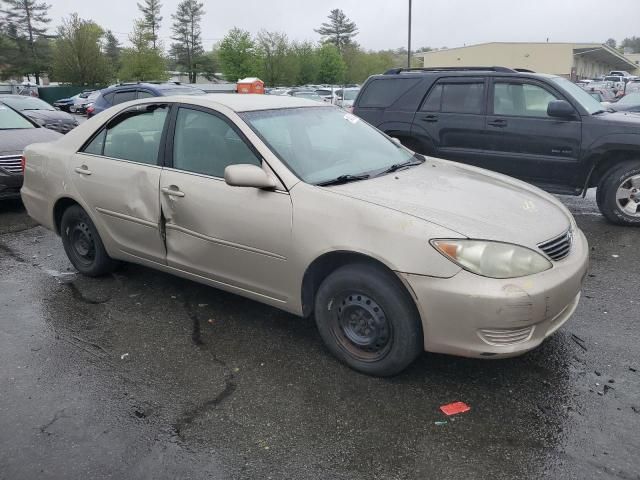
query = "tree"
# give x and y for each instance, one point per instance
(306, 63)
(142, 62)
(632, 43)
(238, 56)
(208, 65)
(611, 42)
(187, 35)
(151, 19)
(78, 57)
(275, 61)
(361, 64)
(30, 21)
(331, 67)
(339, 30)
(112, 50)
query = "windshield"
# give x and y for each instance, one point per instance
(10, 119)
(322, 143)
(630, 99)
(21, 103)
(587, 102)
(350, 94)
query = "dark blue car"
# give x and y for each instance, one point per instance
(125, 92)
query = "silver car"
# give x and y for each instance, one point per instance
(307, 208)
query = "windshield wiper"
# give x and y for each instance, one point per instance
(598, 112)
(397, 166)
(343, 179)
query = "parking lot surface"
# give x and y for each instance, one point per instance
(145, 375)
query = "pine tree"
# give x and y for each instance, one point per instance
(112, 50)
(151, 19)
(29, 18)
(339, 30)
(187, 44)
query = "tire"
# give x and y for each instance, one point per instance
(367, 319)
(622, 179)
(83, 245)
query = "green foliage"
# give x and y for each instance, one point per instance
(78, 57)
(151, 19)
(277, 65)
(331, 68)
(361, 64)
(207, 64)
(611, 42)
(633, 43)
(238, 55)
(187, 44)
(142, 62)
(112, 51)
(306, 63)
(339, 30)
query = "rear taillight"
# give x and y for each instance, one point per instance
(89, 110)
(23, 163)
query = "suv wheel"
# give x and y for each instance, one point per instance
(367, 319)
(83, 244)
(618, 194)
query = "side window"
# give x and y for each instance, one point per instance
(521, 99)
(206, 144)
(109, 98)
(97, 144)
(432, 103)
(462, 97)
(121, 97)
(144, 94)
(135, 135)
(383, 93)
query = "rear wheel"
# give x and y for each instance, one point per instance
(83, 245)
(367, 319)
(618, 194)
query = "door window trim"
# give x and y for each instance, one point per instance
(526, 81)
(163, 136)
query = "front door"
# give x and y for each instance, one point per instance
(117, 174)
(238, 237)
(523, 141)
(450, 122)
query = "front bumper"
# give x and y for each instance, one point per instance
(473, 316)
(10, 185)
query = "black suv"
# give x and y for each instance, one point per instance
(543, 129)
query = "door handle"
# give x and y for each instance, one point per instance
(430, 118)
(498, 123)
(82, 170)
(172, 191)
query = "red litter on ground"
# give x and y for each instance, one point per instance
(455, 408)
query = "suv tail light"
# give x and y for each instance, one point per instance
(90, 110)
(23, 163)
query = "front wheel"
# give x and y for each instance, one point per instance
(368, 320)
(618, 194)
(83, 245)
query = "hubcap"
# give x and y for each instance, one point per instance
(82, 242)
(363, 328)
(628, 196)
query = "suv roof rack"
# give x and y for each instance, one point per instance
(524, 70)
(396, 71)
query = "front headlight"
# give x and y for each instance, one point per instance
(492, 259)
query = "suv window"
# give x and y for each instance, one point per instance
(383, 93)
(205, 143)
(134, 135)
(121, 97)
(145, 94)
(521, 99)
(432, 103)
(462, 97)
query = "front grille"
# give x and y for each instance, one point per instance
(559, 247)
(12, 164)
(504, 337)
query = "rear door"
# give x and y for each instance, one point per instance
(117, 176)
(451, 121)
(522, 140)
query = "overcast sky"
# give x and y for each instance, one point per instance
(383, 23)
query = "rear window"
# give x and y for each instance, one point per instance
(121, 97)
(383, 93)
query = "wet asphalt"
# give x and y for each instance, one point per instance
(143, 375)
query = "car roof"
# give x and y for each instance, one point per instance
(461, 72)
(245, 102)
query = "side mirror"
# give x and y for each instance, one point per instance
(246, 175)
(560, 108)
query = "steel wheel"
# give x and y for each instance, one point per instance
(628, 196)
(82, 243)
(361, 327)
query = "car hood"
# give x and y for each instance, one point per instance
(13, 142)
(470, 201)
(49, 115)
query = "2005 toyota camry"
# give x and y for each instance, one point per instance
(307, 208)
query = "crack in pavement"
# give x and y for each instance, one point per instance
(57, 416)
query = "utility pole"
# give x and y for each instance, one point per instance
(409, 42)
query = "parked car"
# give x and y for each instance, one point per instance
(16, 132)
(628, 103)
(540, 128)
(81, 103)
(345, 97)
(602, 95)
(41, 112)
(125, 92)
(65, 103)
(305, 207)
(309, 95)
